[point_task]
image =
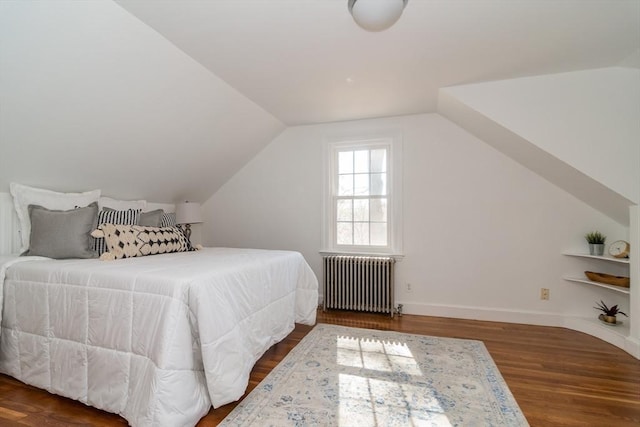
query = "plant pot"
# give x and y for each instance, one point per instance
(596, 249)
(608, 319)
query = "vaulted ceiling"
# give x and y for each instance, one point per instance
(306, 61)
(168, 99)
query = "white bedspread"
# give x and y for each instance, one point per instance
(156, 339)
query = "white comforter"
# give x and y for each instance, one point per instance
(156, 339)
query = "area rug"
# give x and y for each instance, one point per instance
(341, 376)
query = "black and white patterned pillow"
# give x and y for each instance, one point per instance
(127, 241)
(110, 216)
(168, 219)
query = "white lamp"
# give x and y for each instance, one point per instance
(376, 15)
(188, 213)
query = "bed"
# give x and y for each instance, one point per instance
(157, 339)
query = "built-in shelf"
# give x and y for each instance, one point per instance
(604, 258)
(602, 285)
(574, 276)
(583, 280)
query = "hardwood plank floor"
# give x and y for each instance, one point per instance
(559, 377)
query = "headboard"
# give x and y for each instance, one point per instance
(10, 228)
(9, 234)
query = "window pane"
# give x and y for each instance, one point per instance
(345, 185)
(378, 184)
(361, 184)
(345, 233)
(361, 233)
(378, 210)
(379, 160)
(361, 163)
(345, 162)
(379, 234)
(361, 210)
(361, 199)
(345, 210)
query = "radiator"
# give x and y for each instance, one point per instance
(362, 283)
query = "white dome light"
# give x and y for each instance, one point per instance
(376, 15)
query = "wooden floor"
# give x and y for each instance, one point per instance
(559, 377)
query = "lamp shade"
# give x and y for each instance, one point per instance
(188, 213)
(376, 15)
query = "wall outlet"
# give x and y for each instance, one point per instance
(544, 293)
(408, 287)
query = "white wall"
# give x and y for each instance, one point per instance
(91, 97)
(589, 119)
(481, 232)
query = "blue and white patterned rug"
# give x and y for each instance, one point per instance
(341, 376)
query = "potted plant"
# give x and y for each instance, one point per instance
(596, 242)
(609, 313)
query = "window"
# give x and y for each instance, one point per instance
(361, 204)
(361, 196)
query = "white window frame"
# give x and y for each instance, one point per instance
(391, 140)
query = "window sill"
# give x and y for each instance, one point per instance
(397, 257)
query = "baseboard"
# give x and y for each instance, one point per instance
(483, 313)
(632, 346)
(616, 336)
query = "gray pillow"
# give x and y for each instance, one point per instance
(62, 234)
(151, 219)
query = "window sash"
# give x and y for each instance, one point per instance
(371, 224)
(357, 168)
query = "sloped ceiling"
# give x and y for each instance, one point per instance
(305, 61)
(166, 100)
(90, 97)
(578, 130)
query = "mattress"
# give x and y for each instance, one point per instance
(157, 339)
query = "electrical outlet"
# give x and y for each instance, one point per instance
(408, 287)
(544, 293)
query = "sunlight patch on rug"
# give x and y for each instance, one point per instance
(344, 376)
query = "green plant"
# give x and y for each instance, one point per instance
(595, 238)
(610, 311)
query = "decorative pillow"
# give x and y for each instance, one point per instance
(168, 219)
(127, 241)
(62, 234)
(121, 205)
(107, 215)
(151, 219)
(23, 196)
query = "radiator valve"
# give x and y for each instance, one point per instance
(399, 310)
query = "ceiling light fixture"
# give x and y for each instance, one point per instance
(376, 15)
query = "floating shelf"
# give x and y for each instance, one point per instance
(603, 258)
(602, 285)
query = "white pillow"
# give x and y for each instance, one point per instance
(23, 196)
(121, 205)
